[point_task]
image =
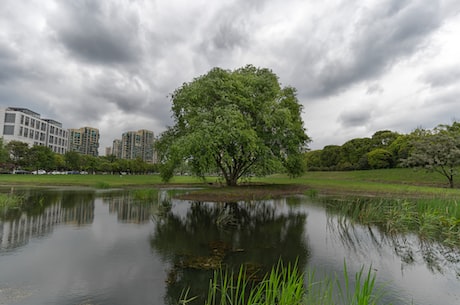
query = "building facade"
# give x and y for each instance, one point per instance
(24, 125)
(135, 144)
(84, 140)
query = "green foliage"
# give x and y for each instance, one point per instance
(41, 157)
(18, 152)
(284, 285)
(379, 158)
(234, 123)
(72, 160)
(434, 220)
(9, 202)
(4, 156)
(437, 151)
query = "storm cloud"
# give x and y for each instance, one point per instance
(358, 67)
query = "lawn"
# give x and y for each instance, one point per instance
(399, 182)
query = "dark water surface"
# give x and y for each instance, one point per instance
(80, 247)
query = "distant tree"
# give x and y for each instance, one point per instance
(59, 161)
(234, 123)
(383, 138)
(331, 156)
(437, 151)
(313, 159)
(72, 160)
(379, 158)
(4, 155)
(400, 148)
(18, 152)
(354, 152)
(41, 157)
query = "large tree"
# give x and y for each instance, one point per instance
(437, 151)
(234, 123)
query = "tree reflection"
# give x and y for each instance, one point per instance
(254, 234)
(411, 249)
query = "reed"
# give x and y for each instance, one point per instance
(431, 219)
(9, 202)
(284, 285)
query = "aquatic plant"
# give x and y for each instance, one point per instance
(9, 202)
(285, 285)
(145, 194)
(431, 219)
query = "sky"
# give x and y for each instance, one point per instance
(359, 66)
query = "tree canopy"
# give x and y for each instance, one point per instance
(437, 150)
(234, 123)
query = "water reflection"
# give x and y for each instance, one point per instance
(199, 239)
(42, 211)
(110, 247)
(410, 248)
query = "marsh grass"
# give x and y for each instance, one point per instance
(431, 219)
(285, 285)
(9, 202)
(146, 194)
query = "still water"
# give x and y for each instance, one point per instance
(81, 247)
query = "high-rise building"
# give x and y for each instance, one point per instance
(24, 125)
(136, 144)
(116, 148)
(84, 140)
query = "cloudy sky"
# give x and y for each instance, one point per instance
(359, 66)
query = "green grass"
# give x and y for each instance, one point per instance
(285, 285)
(430, 219)
(9, 202)
(383, 182)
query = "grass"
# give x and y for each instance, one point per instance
(9, 202)
(285, 285)
(430, 219)
(382, 183)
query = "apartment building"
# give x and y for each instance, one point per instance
(135, 144)
(25, 125)
(84, 140)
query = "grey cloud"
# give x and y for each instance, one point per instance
(354, 118)
(374, 89)
(126, 92)
(10, 66)
(442, 77)
(381, 36)
(229, 36)
(97, 33)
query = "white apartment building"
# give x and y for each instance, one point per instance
(24, 125)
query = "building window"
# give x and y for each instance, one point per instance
(26, 132)
(31, 134)
(27, 121)
(10, 117)
(20, 131)
(8, 130)
(36, 135)
(22, 119)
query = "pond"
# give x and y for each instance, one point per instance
(85, 247)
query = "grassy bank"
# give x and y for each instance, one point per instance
(391, 182)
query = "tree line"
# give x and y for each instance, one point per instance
(18, 155)
(435, 150)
